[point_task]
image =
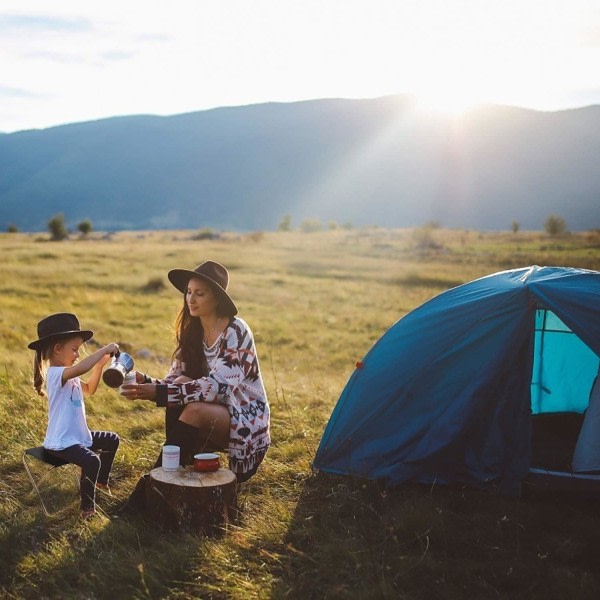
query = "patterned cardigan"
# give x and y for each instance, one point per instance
(234, 380)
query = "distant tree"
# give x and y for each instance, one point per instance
(555, 225)
(206, 233)
(255, 236)
(57, 228)
(347, 225)
(515, 226)
(85, 226)
(423, 237)
(432, 224)
(332, 226)
(285, 224)
(12, 228)
(311, 225)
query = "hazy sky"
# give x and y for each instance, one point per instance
(64, 61)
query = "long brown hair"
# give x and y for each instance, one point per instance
(190, 349)
(190, 336)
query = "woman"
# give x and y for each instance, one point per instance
(214, 394)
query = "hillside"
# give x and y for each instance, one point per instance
(364, 162)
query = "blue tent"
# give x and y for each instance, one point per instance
(448, 394)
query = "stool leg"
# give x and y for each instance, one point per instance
(34, 484)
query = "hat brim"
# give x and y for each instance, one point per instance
(86, 334)
(181, 277)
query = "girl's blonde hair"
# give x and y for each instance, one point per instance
(41, 357)
(43, 353)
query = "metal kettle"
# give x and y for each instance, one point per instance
(120, 365)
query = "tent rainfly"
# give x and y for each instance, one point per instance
(487, 382)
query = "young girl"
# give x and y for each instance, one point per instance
(67, 434)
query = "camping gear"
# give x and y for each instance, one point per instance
(207, 461)
(480, 384)
(586, 456)
(170, 457)
(38, 478)
(40, 453)
(128, 379)
(114, 374)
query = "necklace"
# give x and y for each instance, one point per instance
(212, 334)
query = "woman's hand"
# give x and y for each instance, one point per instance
(139, 391)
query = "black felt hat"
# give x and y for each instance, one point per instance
(59, 325)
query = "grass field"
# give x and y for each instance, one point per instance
(316, 302)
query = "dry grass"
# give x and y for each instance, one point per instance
(316, 303)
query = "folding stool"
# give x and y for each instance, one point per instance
(40, 453)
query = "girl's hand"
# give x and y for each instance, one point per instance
(94, 363)
(111, 349)
(139, 391)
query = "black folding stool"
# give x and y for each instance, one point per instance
(40, 453)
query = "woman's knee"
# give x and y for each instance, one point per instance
(212, 421)
(202, 414)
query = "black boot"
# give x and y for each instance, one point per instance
(187, 438)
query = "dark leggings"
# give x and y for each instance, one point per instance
(95, 462)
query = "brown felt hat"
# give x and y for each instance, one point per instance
(59, 325)
(213, 272)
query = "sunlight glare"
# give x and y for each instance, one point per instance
(447, 101)
(450, 89)
(479, 55)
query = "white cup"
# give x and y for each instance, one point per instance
(170, 458)
(128, 379)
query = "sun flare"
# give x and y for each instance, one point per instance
(476, 56)
(450, 81)
(446, 102)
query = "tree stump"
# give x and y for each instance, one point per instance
(189, 501)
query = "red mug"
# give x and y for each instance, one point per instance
(206, 462)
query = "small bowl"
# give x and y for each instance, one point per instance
(206, 462)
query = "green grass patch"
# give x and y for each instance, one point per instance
(316, 303)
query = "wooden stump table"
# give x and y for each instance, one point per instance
(187, 500)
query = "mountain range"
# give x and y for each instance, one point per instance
(376, 161)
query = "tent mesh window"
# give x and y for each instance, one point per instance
(564, 369)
